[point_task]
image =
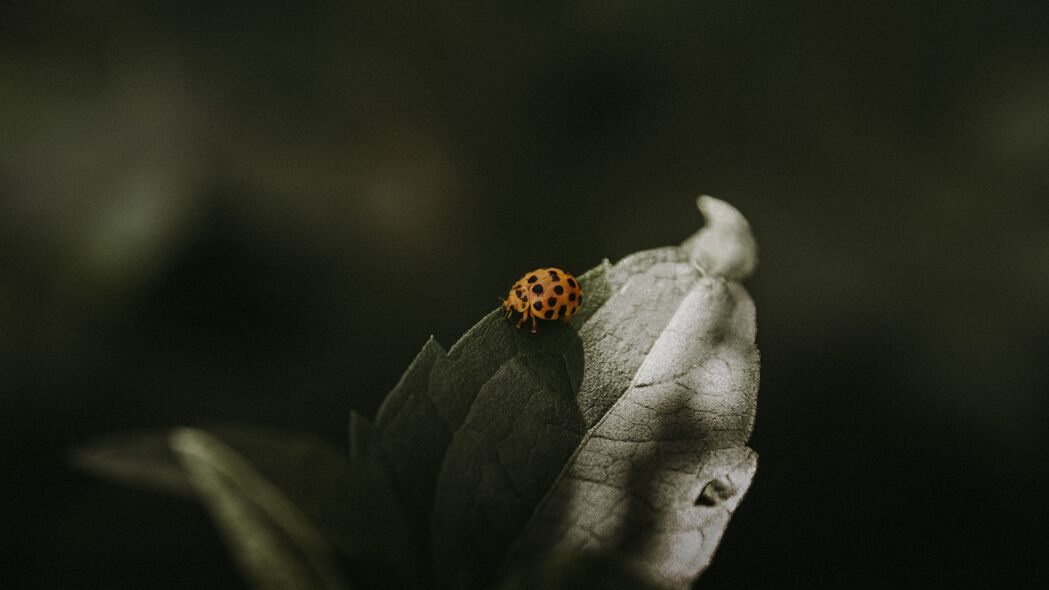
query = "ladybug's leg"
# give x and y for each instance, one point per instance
(533, 324)
(524, 316)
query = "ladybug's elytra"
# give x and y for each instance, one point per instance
(545, 294)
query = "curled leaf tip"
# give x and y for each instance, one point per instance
(724, 246)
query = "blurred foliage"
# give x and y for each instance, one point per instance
(258, 212)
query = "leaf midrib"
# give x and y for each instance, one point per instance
(588, 435)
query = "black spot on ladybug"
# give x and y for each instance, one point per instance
(554, 276)
(571, 296)
(549, 314)
(561, 310)
(551, 301)
(532, 279)
(519, 293)
(538, 305)
(559, 289)
(571, 283)
(538, 289)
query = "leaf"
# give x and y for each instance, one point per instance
(624, 434)
(637, 479)
(340, 498)
(272, 540)
(140, 458)
(415, 424)
(619, 439)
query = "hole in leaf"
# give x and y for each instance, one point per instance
(714, 493)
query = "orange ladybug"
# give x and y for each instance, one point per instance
(545, 293)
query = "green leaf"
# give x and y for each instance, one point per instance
(141, 458)
(343, 499)
(415, 424)
(272, 540)
(622, 434)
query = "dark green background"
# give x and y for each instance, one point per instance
(260, 213)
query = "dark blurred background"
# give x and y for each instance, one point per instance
(259, 213)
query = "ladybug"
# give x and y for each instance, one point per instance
(545, 293)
